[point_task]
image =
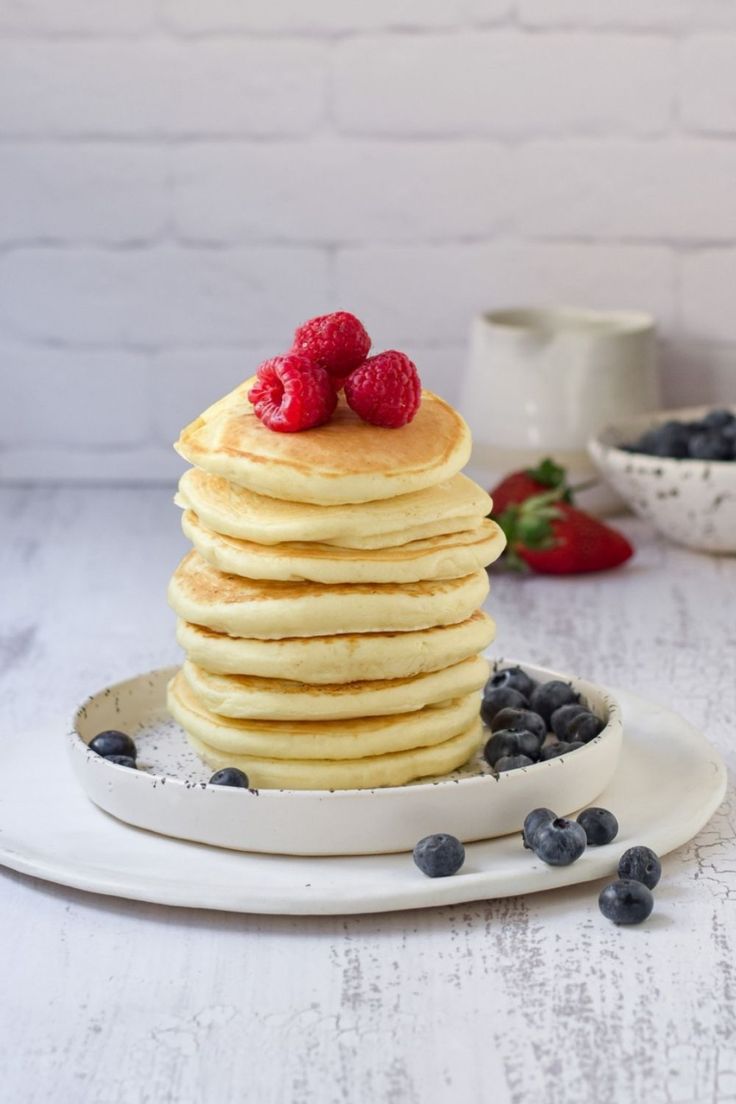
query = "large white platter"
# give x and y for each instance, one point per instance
(668, 783)
(170, 794)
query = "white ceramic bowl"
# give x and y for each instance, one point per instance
(692, 502)
(170, 794)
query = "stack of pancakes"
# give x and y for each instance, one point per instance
(330, 607)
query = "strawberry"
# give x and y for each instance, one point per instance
(550, 536)
(520, 485)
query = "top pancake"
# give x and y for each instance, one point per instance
(346, 460)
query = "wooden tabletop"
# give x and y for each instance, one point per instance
(531, 999)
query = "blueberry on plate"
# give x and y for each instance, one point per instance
(506, 743)
(559, 842)
(585, 727)
(562, 747)
(533, 821)
(439, 856)
(112, 742)
(513, 762)
(504, 697)
(230, 776)
(626, 901)
(122, 761)
(550, 696)
(518, 720)
(561, 718)
(710, 444)
(600, 826)
(640, 864)
(513, 677)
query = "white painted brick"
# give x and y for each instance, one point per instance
(441, 368)
(503, 82)
(698, 372)
(676, 190)
(72, 397)
(160, 87)
(331, 190)
(154, 297)
(106, 193)
(708, 83)
(80, 463)
(330, 16)
(184, 382)
(659, 14)
(707, 281)
(429, 294)
(67, 17)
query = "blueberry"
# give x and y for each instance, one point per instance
(122, 760)
(439, 856)
(548, 698)
(513, 762)
(230, 776)
(518, 720)
(562, 747)
(503, 698)
(626, 901)
(599, 826)
(560, 842)
(533, 821)
(513, 677)
(718, 419)
(710, 444)
(112, 742)
(506, 743)
(671, 439)
(585, 727)
(561, 718)
(640, 864)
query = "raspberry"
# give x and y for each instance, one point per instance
(292, 393)
(385, 390)
(338, 342)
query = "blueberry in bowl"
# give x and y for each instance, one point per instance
(677, 469)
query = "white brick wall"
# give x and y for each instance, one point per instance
(182, 182)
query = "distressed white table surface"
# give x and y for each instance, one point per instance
(529, 999)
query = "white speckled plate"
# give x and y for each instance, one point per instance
(170, 794)
(668, 783)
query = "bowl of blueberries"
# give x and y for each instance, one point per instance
(677, 469)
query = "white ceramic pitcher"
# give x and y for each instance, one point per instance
(542, 381)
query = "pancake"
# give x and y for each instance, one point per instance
(372, 772)
(341, 658)
(451, 506)
(447, 557)
(266, 609)
(346, 460)
(285, 700)
(343, 739)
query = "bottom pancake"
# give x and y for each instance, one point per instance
(374, 771)
(347, 739)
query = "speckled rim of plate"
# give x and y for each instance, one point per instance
(473, 803)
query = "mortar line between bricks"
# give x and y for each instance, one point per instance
(234, 245)
(29, 343)
(239, 243)
(502, 141)
(166, 139)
